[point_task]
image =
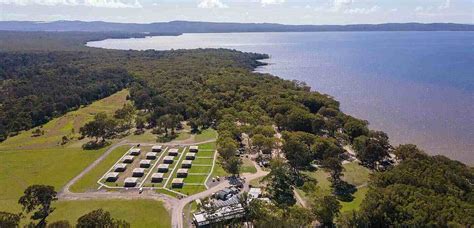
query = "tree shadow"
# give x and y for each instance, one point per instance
(95, 145)
(343, 190)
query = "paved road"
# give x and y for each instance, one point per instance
(177, 213)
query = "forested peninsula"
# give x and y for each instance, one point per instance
(46, 74)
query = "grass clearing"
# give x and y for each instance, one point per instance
(247, 166)
(205, 135)
(139, 213)
(354, 174)
(354, 205)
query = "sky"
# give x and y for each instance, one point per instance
(275, 11)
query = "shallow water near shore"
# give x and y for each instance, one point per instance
(416, 86)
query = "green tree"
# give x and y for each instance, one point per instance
(100, 218)
(226, 148)
(126, 114)
(38, 199)
(102, 127)
(326, 208)
(409, 151)
(9, 220)
(233, 165)
(280, 184)
(355, 128)
(373, 149)
(298, 154)
(263, 143)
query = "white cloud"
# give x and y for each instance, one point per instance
(211, 4)
(362, 10)
(271, 2)
(90, 3)
(346, 7)
(339, 5)
(445, 5)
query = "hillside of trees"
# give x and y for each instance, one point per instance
(217, 88)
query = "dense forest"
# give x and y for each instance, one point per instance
(36, 87)
(217, 88)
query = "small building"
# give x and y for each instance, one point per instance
(255, 193)
(204, 218)
(224, 194)
(173, 152)
(168, 160)
(190, 156)
(177, 183)
(128, 159)
(130, 182)
(145, 163)
(182, 173)
(151, 155)
(156, 148)
(135, 151)
(163, 168)
(138, 172)
(193, 149)
(186, 164)
(120, 167)
(111, 177)
(157, 177)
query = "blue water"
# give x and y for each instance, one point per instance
(416, 86)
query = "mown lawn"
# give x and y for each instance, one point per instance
(22, 168)
(205, 135)
(207, 146)
(200, 169)
(89, 181)
(139, 213)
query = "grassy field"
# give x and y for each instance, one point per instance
(205, 135)
(139, 213)
(89, 181)
(355, 204)
(353, 174)
(27, 160)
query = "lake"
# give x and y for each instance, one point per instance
(416, 86)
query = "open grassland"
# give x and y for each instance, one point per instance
(27, 160)
(89, 181)
(139, 213)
